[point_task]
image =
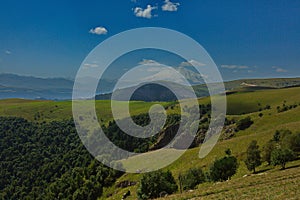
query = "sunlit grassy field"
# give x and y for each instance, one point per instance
(268, 184)
(37, 110)
(272, 184)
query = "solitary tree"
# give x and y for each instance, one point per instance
(191, 178)
(155, 183)
(253, 159)
(295, 142)
(282, 156)
(267, 151)
(224, 168)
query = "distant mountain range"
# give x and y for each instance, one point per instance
(16, 86)
(154, 92)
(29, 87)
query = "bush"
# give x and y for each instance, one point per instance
(279, 135)
(155, 183)
(268, 107)
(292, 141)
(224, 168)
(295, 142)
(244, 123)
(253, 159)
(281, 156)
(268, 148)
(191, 178)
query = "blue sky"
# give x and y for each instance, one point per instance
(256, 38)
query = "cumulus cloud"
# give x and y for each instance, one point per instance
(191, 63)
(7, 52)
(90, 65)
(235, 66)
(170, 6)
(98, 30)
(145, 13)
(149, 62)
(279, 69)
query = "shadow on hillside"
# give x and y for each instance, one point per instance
(261, 171)
(291, 167)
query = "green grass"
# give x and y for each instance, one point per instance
(272, 184)
(240, 105)
(28, 109)
(271, 82)
(247, 102)
(262, 130)
(60, 110)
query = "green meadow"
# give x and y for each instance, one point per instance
(270, 182)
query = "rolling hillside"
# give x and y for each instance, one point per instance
(17, 86)
(240, 105)
(237, 103)
(262, 130)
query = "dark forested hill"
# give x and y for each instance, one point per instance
(47, 161)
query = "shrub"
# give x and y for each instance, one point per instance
(154, 183)
(191, 178)
(224, 168)
(281, 134)
(295, 142)
(253, 159)
(268, 107)
(281, 156)
(244, 123)
(291, 141)
(268, 148)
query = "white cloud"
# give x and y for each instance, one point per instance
(98, 30)
(7, 52)
(279, 69)
(90, 65)
(170, 6)
(145, 13)
(165, 73)
(235, 66)
(191, 63)
(149, 62)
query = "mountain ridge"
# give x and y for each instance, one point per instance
(30, 87)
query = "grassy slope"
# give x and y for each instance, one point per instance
(262, 130)
(272, 184)
(271, 82)
(59, 110)
(238, 103)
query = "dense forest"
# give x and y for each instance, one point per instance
(48, 161)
